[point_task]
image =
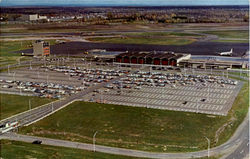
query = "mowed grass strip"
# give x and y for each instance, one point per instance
(141, 128)
(231, 41)
(237, 34)
(8, 49)
(14, 104)
(144, 40)
(18, 150)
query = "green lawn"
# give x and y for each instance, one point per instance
(238, 74)
(7, 48)
(140, 128)
(237, 34)
(7, 57)
(143, 40)
(22, 150)
(14, 104)
(157, 38)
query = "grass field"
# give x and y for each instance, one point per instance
(142, 40)
(7, 48)
(157, 38)
(13, 104)
(7, 56)
(167, 34)
(238, 74)
(22, 150)
(231, 36)
(231, 41)
(141, 128)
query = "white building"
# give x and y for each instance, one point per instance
(32, 17)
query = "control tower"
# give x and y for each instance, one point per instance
(41, 48)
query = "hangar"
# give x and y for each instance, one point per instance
(152, 58)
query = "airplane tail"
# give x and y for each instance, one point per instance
(231, 51)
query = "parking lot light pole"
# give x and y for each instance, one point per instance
(29, 105)
(208, 146)
(94, 140)
(8, 69)
(14, 76)
(52, 107)
(30, 65)
(197, 108)
(208, 93)
(47, 79)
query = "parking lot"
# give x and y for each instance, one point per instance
(54, 81)
(153, 89)
(202, 97)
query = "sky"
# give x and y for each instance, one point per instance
(122, 2)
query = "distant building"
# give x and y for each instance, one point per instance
(32, 17)
(41, 48)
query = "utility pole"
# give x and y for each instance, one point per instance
(94, 140)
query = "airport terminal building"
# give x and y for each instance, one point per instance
(152, 58)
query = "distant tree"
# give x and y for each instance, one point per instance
(14, 16)
(110, 15)
(246, 18)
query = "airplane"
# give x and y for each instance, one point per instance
(227, 53)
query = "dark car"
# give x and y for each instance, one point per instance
(37, 142)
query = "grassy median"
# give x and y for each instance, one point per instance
(19, 150)
(231, 36)
(14, 104)
(143, 40)
(141, 128)
(230, 33)
(155, 38)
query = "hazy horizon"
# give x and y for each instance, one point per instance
(99, 3)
